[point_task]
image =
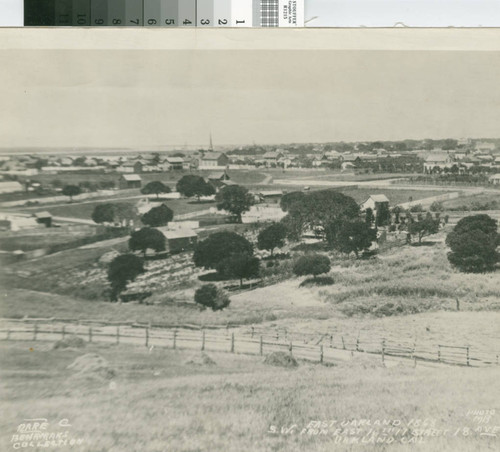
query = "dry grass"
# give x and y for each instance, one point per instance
(156, 402)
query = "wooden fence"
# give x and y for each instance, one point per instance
(326, 348)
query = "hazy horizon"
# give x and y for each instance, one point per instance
(138, 99)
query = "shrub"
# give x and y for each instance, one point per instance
(209, 296)
(122, 270)
(321, 281)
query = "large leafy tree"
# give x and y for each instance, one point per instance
(352, 237)
(147, 238)
(192, 185)
(423, 226)
(290, 198)
(158, 216)
(320, 210)
(219, 246)
(122, 270)
(273, 236)
(312, 264)
(383, 216)
(71, 190)
(104, 213)
(239, 266)
(473, 242)
(235, 199)
(155, 188)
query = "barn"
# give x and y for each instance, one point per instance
(130, 181)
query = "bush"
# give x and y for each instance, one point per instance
(436, 206)
(312, 264)
(209, 296)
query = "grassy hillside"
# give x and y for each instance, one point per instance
(157, 402)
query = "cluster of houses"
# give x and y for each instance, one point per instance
(483, 157)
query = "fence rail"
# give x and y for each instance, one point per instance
(312, 347)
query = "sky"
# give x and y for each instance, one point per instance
(151, 98)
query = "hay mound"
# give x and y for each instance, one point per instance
(201, 360)
(91, 364)
(281, 359)
(71, 341)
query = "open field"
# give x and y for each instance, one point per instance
(395, 195)
(482, 200)
(156, 400)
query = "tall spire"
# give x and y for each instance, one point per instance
(211, 147)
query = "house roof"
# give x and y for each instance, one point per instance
(174, 160)
(270, 193)
(271, 155)
(217, 176)
(43, 214)
(212, 155)
(131, 177)
(437, 158)
(179, 234)
(10, 186)
(379, 198)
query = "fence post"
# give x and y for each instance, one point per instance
(439, 353)
(117, 334)
(290, 348)
(35, 331)
(331, 340)
(357, 343)
(321, 353)
(203, 340)
(383, 351)
(63, 332)
(90, 334)
(232, 342)
(253, 331)
(147, 336)
(261, 346)
(175, 339)
(468, 362)
(343, 343)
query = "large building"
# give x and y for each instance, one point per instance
(214, 159)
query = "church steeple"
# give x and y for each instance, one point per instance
(211, 146)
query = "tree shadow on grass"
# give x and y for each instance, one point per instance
(202, 201)
(211, 277)
(321, 281)
(424, 243)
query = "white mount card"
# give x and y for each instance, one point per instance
(291, 13)
(241, 13)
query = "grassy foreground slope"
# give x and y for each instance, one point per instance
(157, 402)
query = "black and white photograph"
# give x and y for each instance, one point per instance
(250, 240)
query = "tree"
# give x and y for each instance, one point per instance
(321, 209)
(209, 296)
(312, 264)
(122, 270)
(272, 237)
(158, 216)
(192, 185)
(423, 226)
(147, 238)
(235, 199)
(436, 206)
(397, 210)
(290, 198)
(354, 237)
(125, 212)
(71, 190)
(473, 243)
(155, 187)
(241, 266)
(369, 217)
(219, 246)
(383, 215)
(103, 213)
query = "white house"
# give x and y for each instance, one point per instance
(374, 202)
